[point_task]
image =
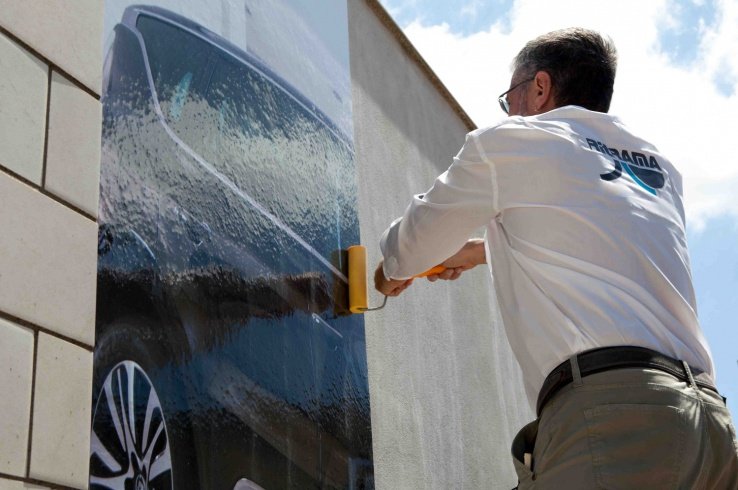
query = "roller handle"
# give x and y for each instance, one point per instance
(357, 280)
(432, 271)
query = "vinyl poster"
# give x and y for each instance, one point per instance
(225, 357)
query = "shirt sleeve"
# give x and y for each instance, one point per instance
(437, 224)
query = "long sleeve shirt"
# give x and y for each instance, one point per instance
(585, 238)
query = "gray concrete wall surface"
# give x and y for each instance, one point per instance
(446, 393)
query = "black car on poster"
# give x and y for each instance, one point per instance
(224, 355)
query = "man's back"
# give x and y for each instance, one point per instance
(588, 245)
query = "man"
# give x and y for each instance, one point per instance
(585, 236)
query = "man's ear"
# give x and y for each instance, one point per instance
(543, 96)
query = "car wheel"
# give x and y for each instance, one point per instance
(141, 435)
(129, 445)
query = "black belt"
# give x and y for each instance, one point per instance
(607, 358)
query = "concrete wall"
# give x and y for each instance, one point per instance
(446, 394)
(50, 66)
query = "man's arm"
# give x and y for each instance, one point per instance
(389, 287)
(436, 226)
(471, 255)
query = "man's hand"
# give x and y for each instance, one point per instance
(471, 255)
(389, 287)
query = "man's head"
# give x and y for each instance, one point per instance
(572, 66)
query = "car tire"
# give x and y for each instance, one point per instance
(139, 439)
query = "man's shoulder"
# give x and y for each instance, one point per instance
(502, 129)
(566, 114)
(526, 130)
(564, 122)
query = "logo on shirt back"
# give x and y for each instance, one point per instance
(645, 171)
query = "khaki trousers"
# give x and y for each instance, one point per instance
(629, 429)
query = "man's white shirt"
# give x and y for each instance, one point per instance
(585, 238)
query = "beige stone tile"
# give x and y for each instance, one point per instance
(68, 33)
(73, 155)
(19, 485)
(61, 413)
(23, 87)
(48, 262)
(16, 376)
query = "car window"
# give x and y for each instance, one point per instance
(256, 134)
(178, 61)
(278, 151)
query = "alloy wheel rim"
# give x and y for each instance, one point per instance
(129, 442)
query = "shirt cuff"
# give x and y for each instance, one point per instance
(390, 267)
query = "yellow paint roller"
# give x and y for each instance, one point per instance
(357, 280)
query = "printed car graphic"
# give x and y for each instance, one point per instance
(224, 354)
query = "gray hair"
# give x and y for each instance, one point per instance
(580, 62)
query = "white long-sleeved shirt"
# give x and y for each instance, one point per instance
(585, 238)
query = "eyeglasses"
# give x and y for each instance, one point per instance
(502, 99)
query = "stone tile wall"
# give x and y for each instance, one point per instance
(50, 123)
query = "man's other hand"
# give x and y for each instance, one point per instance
(471, 255)
(389, 287)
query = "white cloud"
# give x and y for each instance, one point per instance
(399, 7)
(679, 108)
(720, 46)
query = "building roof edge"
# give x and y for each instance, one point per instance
(415, 56)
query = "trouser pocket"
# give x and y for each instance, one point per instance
(523, 443)
(636, 446)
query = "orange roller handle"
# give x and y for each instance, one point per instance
(357, 279)
(432, 271)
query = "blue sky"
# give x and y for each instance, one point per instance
(677, 84)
